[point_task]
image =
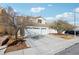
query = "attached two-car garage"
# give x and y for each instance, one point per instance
(36, 30)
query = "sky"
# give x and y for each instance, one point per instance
(50, 11)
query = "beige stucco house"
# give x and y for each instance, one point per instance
(38, 26)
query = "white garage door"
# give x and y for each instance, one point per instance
(44, 31)
(36, 31)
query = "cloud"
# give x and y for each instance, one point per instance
(37, 9)
(77, 9)
(67, 14)
(15, 10)
(50, 5)
(64, 15)
(58, 16)
(49, 18)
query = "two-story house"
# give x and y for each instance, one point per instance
(38, 26)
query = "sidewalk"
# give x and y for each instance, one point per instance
(47, 45)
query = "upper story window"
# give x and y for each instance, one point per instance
(39, 21)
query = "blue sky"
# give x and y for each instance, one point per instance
(50, 11)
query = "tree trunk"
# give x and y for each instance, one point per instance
(16, 33)
(22, 32)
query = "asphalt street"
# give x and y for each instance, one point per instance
(73, 50)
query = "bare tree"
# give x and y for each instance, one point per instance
(13, 15)
(61, 26)
(18, 23)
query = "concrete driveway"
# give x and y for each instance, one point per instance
(45, 45)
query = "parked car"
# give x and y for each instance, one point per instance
(72, 32)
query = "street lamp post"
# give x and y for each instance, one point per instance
(74, 13)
